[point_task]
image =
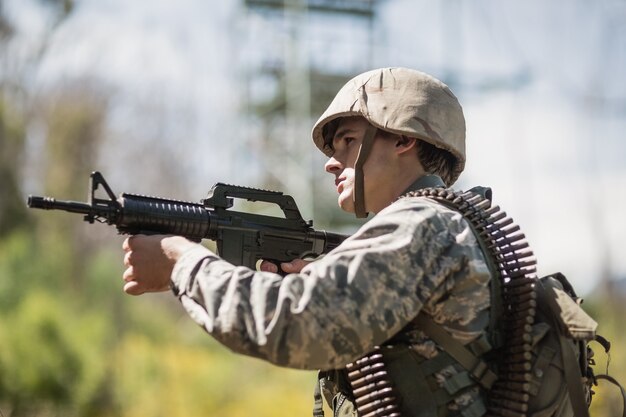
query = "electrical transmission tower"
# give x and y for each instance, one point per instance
(300, 53)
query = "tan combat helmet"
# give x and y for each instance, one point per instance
(401, 101)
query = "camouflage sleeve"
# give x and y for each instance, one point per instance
(340, 306)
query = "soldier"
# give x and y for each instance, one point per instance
(387, 133)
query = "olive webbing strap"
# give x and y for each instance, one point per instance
(473, 364)
(573, 379)
(358, 194)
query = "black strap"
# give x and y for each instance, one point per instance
(573, 379)
(476, 367)
(614, 381)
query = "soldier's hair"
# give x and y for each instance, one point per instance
(436, 161)
(328, 132)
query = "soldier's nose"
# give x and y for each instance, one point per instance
(332, 166)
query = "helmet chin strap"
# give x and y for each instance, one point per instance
(358, 194)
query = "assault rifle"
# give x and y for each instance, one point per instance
(242, 238)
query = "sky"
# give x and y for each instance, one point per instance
(541, 83)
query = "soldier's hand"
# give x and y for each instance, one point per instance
(292, 267)
(149, 261)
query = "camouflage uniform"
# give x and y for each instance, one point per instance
(413, 256)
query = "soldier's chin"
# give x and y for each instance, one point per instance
(346, 204)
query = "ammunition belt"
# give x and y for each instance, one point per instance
(515, 269)
(374, 394)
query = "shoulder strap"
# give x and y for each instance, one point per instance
(614, 382)
(477, 368)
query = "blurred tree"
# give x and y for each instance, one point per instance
(73, 118)
(12, 209)
(16, 68)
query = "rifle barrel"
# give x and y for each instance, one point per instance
(49, 203)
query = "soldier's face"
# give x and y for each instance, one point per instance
(346, 144)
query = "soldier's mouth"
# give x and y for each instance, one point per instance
(339, 184)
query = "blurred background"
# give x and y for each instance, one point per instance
(166, 98)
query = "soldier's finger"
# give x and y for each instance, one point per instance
(126, 244)
(127, 258)
(268, 267)
(133, 288)
(294, 266)
(128, 274)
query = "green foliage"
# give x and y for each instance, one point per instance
(98, 352)
(52, 347)
(24, 268)
(174, 379)
(12, 137)
(51, 355)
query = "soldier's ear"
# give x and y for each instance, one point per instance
(405, 143)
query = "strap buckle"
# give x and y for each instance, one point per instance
(485, 376)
